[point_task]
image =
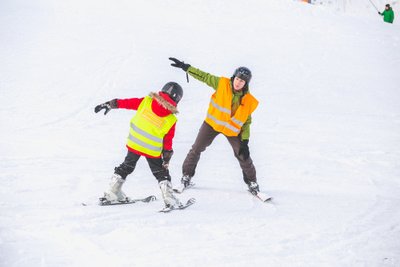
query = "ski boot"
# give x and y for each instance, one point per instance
(169, 199)
(185, 183)
(114, 193)
(253, 188)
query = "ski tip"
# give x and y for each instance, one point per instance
(151, 198)
(177, 190)
(265, 198)
(261, 196)
(165, 210)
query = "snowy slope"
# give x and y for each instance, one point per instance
(325, 138)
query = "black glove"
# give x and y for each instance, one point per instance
(179, 64)
(379, 13)
(112, 104)
(244, 149)
(166, 157)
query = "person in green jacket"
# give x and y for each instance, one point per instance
(388, 14)
(239, 85)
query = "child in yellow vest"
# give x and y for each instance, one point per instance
(151, 132)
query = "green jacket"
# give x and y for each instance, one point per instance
(213, 81)
(388, 15)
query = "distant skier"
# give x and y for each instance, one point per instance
(388, 14)
(229, 113)
(152, 129)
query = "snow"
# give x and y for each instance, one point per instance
(325, 138)
(365, 8)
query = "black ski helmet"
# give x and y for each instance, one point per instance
(174, 90)
(243, 73)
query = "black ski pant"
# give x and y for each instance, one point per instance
(204, 138)
(155, 164)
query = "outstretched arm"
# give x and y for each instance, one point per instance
(205, 77)
(198, 74)
(130, 103)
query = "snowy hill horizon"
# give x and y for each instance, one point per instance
(325, 138)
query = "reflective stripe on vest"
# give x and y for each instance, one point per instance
(222, 109)
(223, 123)
(219, 110)
(147, 130)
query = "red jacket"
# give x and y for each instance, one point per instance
(133, 103)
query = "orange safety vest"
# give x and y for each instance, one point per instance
(219, 111)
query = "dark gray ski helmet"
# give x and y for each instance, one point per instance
(174, 90)
(243, 73)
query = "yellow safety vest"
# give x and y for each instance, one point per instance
(147, 130)
(219, 111)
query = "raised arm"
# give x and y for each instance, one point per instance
(207, 78)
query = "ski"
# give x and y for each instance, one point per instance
(182, 188)
(190, 202)
(105, 202)
(262, 196)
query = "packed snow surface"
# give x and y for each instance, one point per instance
(325, 138)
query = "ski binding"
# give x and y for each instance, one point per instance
(190, 202)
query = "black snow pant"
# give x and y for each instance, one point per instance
(204, 138)
(155, 164)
